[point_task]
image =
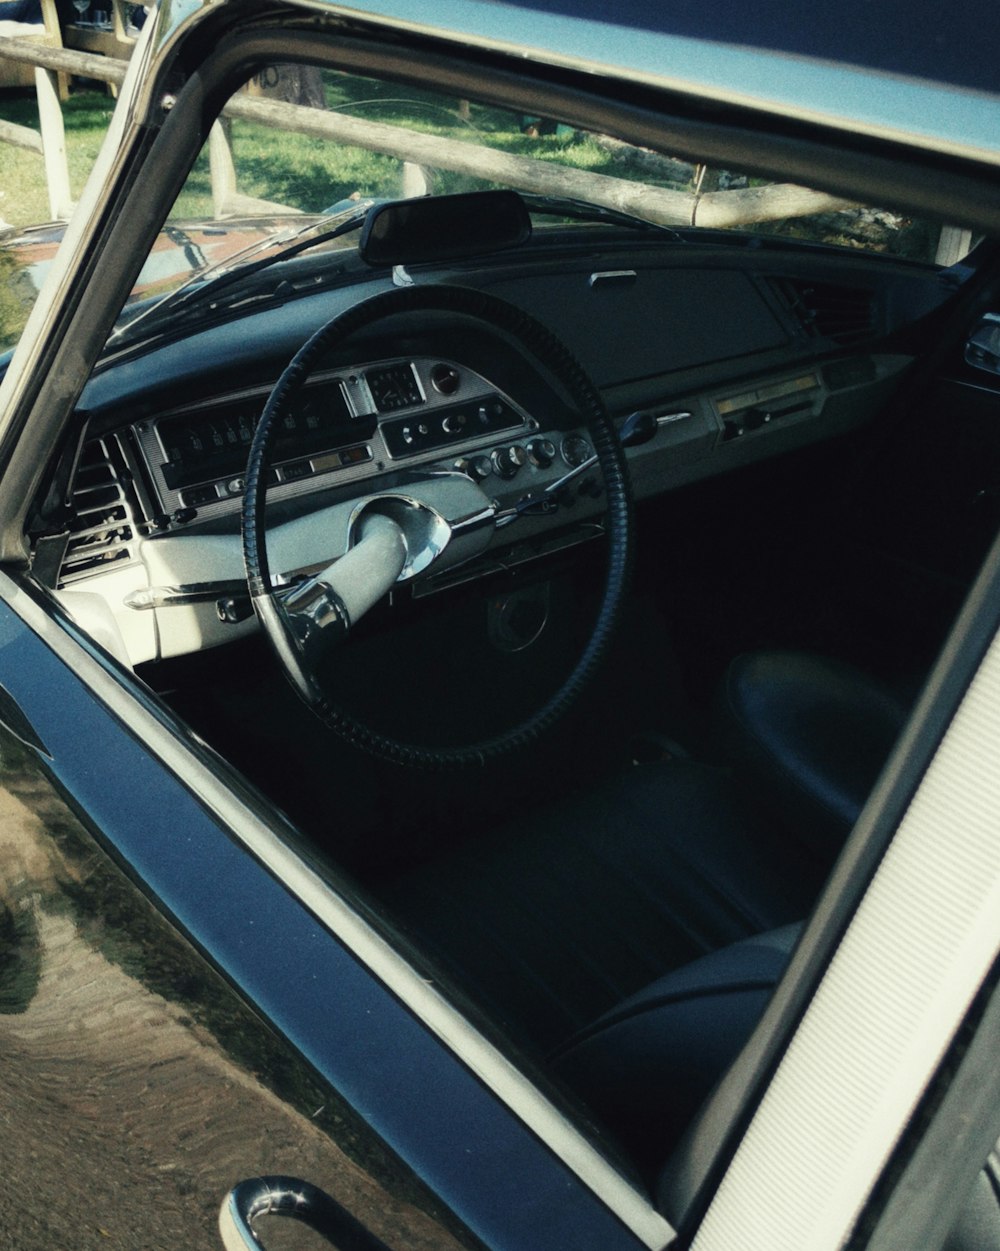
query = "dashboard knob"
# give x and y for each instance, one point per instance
(478, 468)
(454, 423)
(445, 379)
(508, 460)
(541, 452)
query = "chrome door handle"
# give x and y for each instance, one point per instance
(258, 1197)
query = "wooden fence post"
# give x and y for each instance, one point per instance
(953, 244)
(50, 120)
(53, 33)
(221, 167)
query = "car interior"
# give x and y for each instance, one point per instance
(711, 499)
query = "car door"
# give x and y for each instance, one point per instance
(187, 1006)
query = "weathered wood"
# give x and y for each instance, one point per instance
(53, 144)
(746, 205)
(221, 166)
(655, 204)
(435, 152)
(104, 69)
(53, 33)
(717, 209)
(20, 136)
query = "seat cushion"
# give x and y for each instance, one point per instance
(808, 737)
(553, 921)
(645, 1067)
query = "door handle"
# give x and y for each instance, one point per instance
(252, 1200)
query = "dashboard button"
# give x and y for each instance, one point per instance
(477, 468)
(454, 423)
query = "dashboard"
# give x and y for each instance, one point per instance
(154, 561)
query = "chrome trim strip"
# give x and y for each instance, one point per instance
(148, 597)
(334, 911)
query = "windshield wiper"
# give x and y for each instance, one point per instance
(584, 210)
(240, 265)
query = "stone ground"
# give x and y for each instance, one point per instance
(123, 1125)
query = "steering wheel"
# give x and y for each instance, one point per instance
(394, 535)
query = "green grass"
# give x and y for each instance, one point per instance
(298, 171)
(310, 175)
(284, 168)
(24, 199)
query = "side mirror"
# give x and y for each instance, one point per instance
(982, 348)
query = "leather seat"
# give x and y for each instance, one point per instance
(696, 1022)
(556, 920)
(807, 737)
(630, 938)
(645, 1067)
(581, 930)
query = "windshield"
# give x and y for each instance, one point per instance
(350, 139)
(299, 144)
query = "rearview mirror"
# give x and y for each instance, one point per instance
(444, 227)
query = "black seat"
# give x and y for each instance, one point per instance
(630, 937)
(645, 1067)
(599, 933)
(807, 737)
(556, 920)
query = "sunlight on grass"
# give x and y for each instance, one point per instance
(301, 173)
(311, 175)
(24, 199)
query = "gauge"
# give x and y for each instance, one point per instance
(446, 379)
(394, 386)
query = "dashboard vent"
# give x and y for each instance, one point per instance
(826, 310)
(102, 526)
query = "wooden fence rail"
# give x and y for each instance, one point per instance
(50, 138)
(655, 204)
(716, 209)
(105, 69)
(671, 208)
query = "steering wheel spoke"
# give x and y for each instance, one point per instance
(325, 606)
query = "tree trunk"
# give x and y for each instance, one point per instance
(294, 84)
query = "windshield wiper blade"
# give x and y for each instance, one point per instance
(584, 210)
(240, 265)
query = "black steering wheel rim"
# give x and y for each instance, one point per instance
(546, 348)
